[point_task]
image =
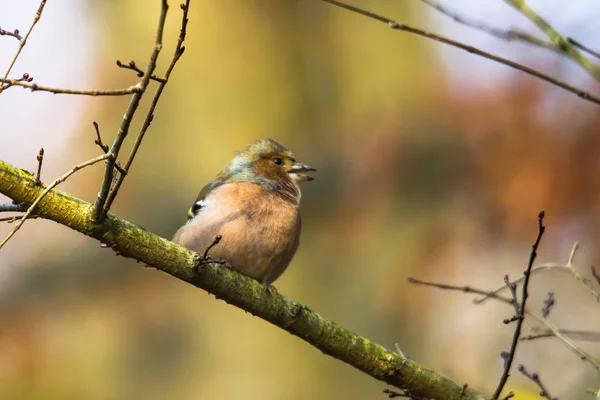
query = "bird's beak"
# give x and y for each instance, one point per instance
(298, 172)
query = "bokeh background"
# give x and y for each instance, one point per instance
(433, 163)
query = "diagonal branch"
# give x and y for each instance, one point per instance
(99, 209)
(23, 41)
(508, 35)
(133, 241)
(559, 41)
(179, 49)
(442, 39)
(582, 47)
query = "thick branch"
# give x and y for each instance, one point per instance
(132, 241)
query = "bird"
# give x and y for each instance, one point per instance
(251, 209)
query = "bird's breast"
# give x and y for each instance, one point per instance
(260, 229)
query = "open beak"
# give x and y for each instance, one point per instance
(298, 172)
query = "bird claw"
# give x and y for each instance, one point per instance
(270, 289)
(224, 263)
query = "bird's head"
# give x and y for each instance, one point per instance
(269, 164)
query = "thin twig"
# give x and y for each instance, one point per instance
(588, 336)
(542, 321)
(401, 27)
(465, 289)
(104, 147)
(98, 140)
(508, 35)
(131, 65)
(23, 41)
(39, 88)
(59, 180)
(40, 158)
(582, 47)
(99, 205)
(556, 38)
(213, 244)
(179, 49)
(513, 292)
(568, 267)
(10, 207)
(24, 78)
(536, 379)
(15, 33)
(521, 313)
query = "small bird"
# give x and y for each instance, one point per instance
(253, 205)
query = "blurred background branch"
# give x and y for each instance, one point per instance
(556, 38)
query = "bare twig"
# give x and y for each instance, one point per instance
(15, 33)
(23, 41)
(568, 267)
(98, 140)
(556, 38)
(536, 379)
(513, 292)
(11, 207)
(24, 78)
(521, 311)
(133, 67)
(542, 321)
(582, 47)
(465, 289)
(104, 147)
(39, 88)
(508, 35)
(40, 158)
(99, 205)
(402, 27)
(588, 336)
(59, 180)
(213, 244)
(179, 49)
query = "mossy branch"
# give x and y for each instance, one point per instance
(130, 240)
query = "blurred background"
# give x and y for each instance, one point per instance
(432, 163)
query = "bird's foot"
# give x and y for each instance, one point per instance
(269, 289)
(224, 263)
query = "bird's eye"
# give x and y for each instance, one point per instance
(277, 160)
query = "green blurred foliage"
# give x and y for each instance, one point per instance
(414, 179)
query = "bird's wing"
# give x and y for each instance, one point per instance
(200, 202)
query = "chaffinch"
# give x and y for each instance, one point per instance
(253, 204)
